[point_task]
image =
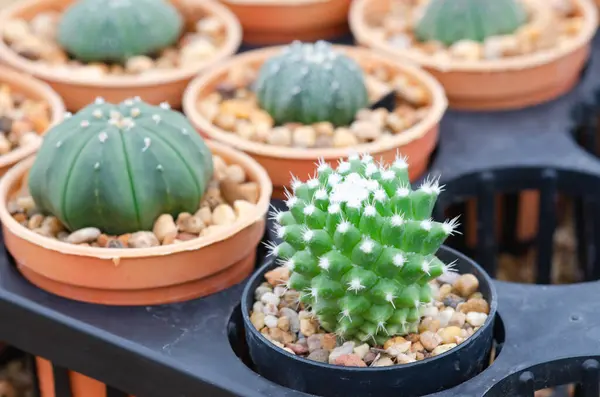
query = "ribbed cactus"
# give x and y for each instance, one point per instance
(118, 167)
(449, 21)
(360, 245)
(114, 30)
(309, 83)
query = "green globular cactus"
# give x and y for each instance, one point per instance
(360, 245)
(114, 30)
(118, 167)
(449, 21)
(309, 83)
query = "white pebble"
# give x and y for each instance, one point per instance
(258, 307)
(430, 311)
(270, 309)
(279, 291)
(444, 316)
(271, 321)
(271, 298)
(476, 319)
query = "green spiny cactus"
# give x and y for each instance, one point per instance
(114, 30)
(309, 83)
(118, 167)
(360, 245)
(449, 21)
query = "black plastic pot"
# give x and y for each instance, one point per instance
(415, 379)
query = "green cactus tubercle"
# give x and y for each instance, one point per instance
(360, 246)
(114, 30)
(119, 167)
(309, 83)
(449, 21)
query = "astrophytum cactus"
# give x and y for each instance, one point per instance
(360, 245)
(114, 30)
(309, 83)
(118, 167)
(449, 21)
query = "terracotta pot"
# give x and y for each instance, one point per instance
(33, 89)
(140, 276)
(417, 142)
(282, 21)
(81, 385)
(507, 83)
(78, 91)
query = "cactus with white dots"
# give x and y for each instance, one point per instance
(360, 245)
(309, 83)
(117, 167)
(114, 30)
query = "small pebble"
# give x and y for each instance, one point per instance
(283, 323)
(278, 276)
(458, 319)
(449, 334)
(404, 359)
(257, 319)
(319, 355)
(361, 350)
(270, 297)
(346, 348)
(443, 348)
(430, 340)
(383, 361)
(349, 360)
(260, 291)
(164, 227)
(453, 300)
(476, 319)
(315, 342)
(308, 326)
(85, 235)
(292, 316)
(223, 214)
(445, 315)
(270, 321)
(143, 240)
(466, 285)
(475, 305)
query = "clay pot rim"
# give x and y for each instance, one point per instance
(15, 80)
(273, 4)
(362, 35)
(439, 105)
(232, 43)
(15, 174)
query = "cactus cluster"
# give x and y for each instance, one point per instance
(449, 21)
(360, 245)
(118, 167)
(309, 83)
(114, 30)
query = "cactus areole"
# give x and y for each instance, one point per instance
(118, 167)
(309, 83)
(114, 30)
(449, 21)
(360, 246)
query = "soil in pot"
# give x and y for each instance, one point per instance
(360, 283)
(27, 109)
(233, 103)
(507, 65)
(127, 205)
(267, 22)
(34, 31)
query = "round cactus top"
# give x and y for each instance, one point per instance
(114, 30)
(450, 21)
(119, 167)
(309, 83)
(360, 244)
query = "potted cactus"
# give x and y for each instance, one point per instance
(267, 22)
(288, 106)
(359, 283)
(29, 108)
(84, 48)
(488, 54)
(122, 204)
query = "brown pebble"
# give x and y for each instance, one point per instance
(53, 225)
(329, 341)
(21, 218)
(35, 221)
(430, 340)
(393, 341)
(281, 336)
(350, 360)
(429, 324)
(475, 305)
(412, 338)
(417, 347)
(188, 223)
(443, 348)
(277, 276)
(283, 323)
(466, 285)
(103, 240)
(257, 319)
(449, 334)
(124, 239)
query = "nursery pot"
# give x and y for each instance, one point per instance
(506, 83)
(417, 142)
(154, 88)
(281, 21)
(33, 89)
(408, 380)
(139, 276)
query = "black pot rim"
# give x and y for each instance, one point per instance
(247, 294)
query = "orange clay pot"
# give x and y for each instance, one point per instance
(507, 83)
(139, 276)
(36, 90)
(163, 86)
(281, 21)
(81, 385)
(417, 142)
